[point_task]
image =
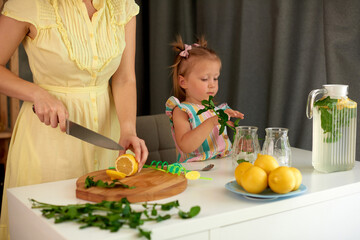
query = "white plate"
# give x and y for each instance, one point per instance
(267, 194)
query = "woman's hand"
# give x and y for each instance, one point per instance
(51, 111)
(136, 145)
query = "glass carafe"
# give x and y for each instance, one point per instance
(246, 144)
(277, 145)
(334, 128)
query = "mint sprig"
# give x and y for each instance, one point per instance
(223, 118)
(331, 124)
(89, 182)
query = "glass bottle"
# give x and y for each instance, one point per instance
(277, 145)
(334, 128)
(246, 144)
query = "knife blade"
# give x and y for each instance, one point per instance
(87, 135)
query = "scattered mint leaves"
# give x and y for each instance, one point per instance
(112, 215)
(192, 213)
(89, 182)
(223, 117)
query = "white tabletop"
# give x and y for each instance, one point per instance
(220, 208)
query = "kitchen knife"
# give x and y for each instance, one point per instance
(87, 135)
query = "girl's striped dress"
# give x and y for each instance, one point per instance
(215, 145)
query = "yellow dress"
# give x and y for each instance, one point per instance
(73, 57)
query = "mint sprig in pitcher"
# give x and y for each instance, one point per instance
(334, 128)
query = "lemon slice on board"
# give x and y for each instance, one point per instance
(115, 174)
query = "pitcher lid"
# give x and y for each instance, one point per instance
(336, 90)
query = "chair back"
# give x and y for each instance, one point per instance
(156, 131)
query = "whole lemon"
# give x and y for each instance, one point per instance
(254, 180)
(266, 162)
(298, 177)
(282, 180)
(240, 169)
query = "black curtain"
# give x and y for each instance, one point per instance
(274, 52)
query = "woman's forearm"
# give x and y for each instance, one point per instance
(124, 93)
(13, 86)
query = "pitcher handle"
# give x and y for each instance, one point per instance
(311, 99)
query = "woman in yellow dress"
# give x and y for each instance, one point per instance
(74, 47)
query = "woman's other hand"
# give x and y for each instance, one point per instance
(137, 145)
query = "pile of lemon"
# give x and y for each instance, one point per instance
(265, 171)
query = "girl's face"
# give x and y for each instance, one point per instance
(202, 80)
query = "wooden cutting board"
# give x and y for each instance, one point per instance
(150, 184)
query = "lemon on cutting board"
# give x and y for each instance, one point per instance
(126, 164)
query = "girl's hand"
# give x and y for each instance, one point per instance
(51, 111)
(136, 145)
(234, 113)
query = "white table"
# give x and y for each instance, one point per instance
(330, 209)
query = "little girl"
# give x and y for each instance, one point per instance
(195, 77)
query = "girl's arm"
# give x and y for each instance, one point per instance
(124, 92)
(50, 110)
(189, 139)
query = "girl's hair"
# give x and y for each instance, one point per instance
(184, 61)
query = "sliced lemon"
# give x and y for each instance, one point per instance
(115, 174)
(341, 103)
(126, 164)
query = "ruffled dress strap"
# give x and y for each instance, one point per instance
(171, 104)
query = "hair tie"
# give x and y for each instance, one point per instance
(185, 52)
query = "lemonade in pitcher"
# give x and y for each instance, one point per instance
(334, 128)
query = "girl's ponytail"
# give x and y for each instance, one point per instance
(178, 47)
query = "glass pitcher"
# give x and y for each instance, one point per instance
(334, 128)
(246, 144)
(277, 145)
